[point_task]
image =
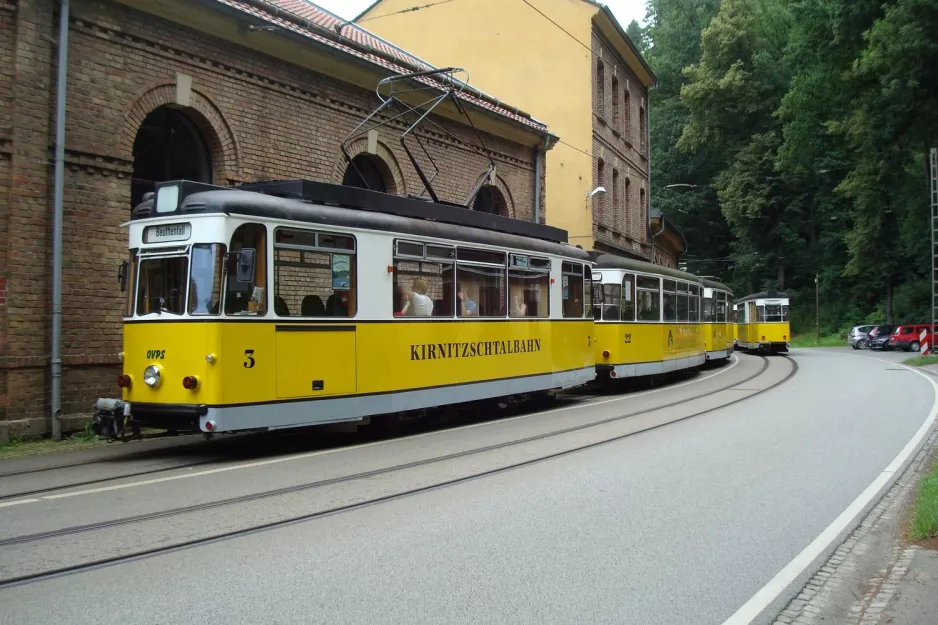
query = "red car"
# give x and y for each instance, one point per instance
(908, 337)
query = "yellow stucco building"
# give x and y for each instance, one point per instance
(569, 64)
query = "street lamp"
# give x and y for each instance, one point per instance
(681, 184)
(597, 192)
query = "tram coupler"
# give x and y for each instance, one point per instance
(112, 417)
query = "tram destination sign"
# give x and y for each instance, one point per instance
(167, 232)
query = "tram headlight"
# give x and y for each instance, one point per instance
(151, 376)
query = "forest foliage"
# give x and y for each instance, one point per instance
(798, 134)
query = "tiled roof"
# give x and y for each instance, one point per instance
(302, 17)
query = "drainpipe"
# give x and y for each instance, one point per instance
(57, 222)
(648, 197)
(538, 154)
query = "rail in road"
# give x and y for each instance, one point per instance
(65, 531)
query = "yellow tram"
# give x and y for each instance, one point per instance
(762, 322)
(297, 303)
(718, 326)
(647, 318)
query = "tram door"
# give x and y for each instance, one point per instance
(315, 360)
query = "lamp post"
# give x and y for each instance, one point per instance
(817, 310)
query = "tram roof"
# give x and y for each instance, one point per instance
(713, 284)
(764, 295)
(611, 261)
(324, 205)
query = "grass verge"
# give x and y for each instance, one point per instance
(925, 514)
(810, 340)
(18, 448)
(919, 361)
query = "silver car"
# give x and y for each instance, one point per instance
(858, 336)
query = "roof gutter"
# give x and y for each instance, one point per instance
(628, 41)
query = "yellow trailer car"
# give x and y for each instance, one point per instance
(762, 322)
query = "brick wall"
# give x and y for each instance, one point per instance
(619, 218)
(261, 118)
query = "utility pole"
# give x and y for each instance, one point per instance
(817, 309)
(933, 184)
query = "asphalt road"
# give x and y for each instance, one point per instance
(677, 524)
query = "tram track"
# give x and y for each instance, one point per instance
(576, 398)
(365, 475)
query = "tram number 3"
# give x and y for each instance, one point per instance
(249, 359)
(628, 338)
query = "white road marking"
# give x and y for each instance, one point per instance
(261, 463)
(17, 502)
(770, 592)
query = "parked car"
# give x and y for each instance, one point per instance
(858, 334)
(878, 338)
(908, 337)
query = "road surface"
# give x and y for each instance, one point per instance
(670, 523)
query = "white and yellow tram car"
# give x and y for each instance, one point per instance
(762, 322)
(311, 303)
(647, 318)
(717, 320)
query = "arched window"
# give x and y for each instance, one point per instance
(644, 211)
(600, 89)
(367, 171)
(627, 214)
(626, 115)
(616, 215)
(641, 128)
(615, 103)
(490, 199)
(168, 146)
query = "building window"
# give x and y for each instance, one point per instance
(480, 283)
(168, 146)
(643, 210)
(490, 200)
(600, 89)
(616, 215)
(367, 171)
(314, 274)
(615, 103)
(627, 214)
(529, 286)
(642, 129)
(627, 115)
(600, 182)
(423, 279)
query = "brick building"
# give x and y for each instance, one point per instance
(222, 91)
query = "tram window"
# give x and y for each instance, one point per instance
(682, 303)
(760, 313)
(628, 298)
(529, 287)
(247, 298)
(612, 298)
(162, 287)
(709, 309)
(480, 283)
(205, 279)
(131, 283)
(572, 289)
(597, 300)
(422, 288)
(587, 292)
(670, 300)
(649, 299)
(773, 312)
(785, 312)
(720, 316)
(314, 274)
(694, 305)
